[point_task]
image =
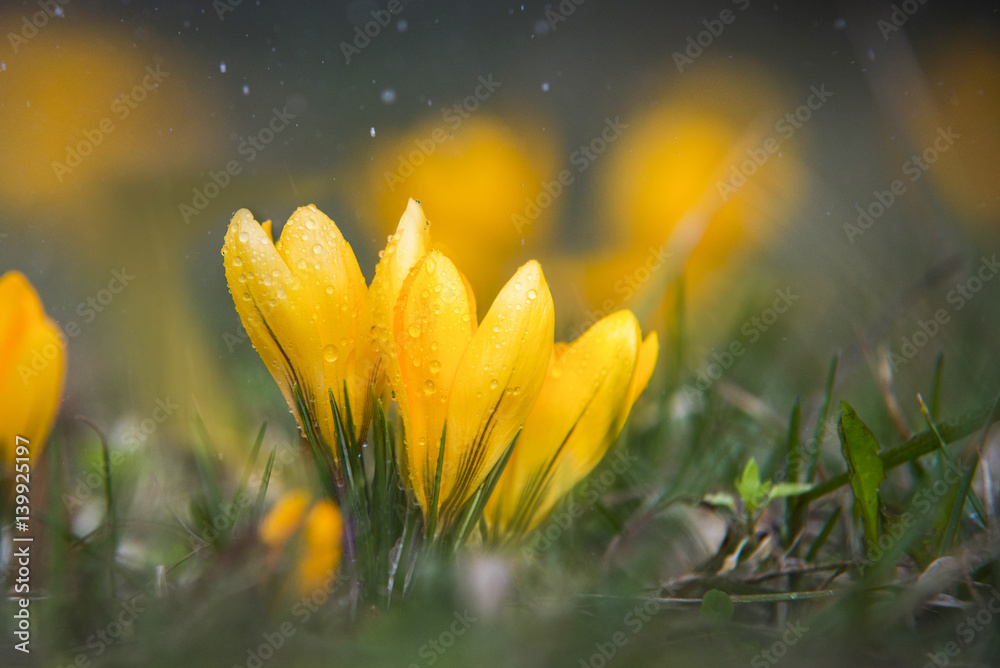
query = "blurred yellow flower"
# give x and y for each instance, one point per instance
(480, 382)
(588, 392)
(453, 170)
(697, 184)
(32, 368)
(318, 554)
(305, 306)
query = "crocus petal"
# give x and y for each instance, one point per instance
(272, 304)
(434, 324)
(588, 392)
(324, 264)
(410, 242)
(496, 384)
(32, 367)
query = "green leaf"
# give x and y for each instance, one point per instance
(865, 470)
(783, 489)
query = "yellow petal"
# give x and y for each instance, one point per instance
(332, 285)
(321, 550)
(410, 242)
(284, 519)
(434, 323)
(32, 367)
(275, 311)
(582, 406)
(644, 365)
(496, 384)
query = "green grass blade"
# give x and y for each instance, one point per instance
(823, 535)
(820, 434)
(436, 496)
(262, 489)
(860, 449)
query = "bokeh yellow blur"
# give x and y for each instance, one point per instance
(704, 177)
(473, 176)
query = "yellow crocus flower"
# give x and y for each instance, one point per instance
(481, 382)
(321, 530)
(32, 368)
(305, 305)
(588, 392)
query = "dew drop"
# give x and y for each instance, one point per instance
(318, 248)
(331, 353)
(414, 330)
(494, 383)
(302, 264)
(237, 261)
(429, 387)
(329, 289)
(430, 265)
(532, 294)
(244, 237)
(434, 367)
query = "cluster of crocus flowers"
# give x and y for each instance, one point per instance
(465, 389)
(318, 527)
(32, 368)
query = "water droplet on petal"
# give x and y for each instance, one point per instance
(244, 237)
(430, 265)
(414, 330)
(237, 261)
(429, 387)
(532, 294)
(318, 248)
(329, 289)
(434, 367)
(494, 383)
(302, 264)
(330, 353)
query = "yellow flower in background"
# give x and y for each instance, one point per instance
(318, 554)
(305, 306)
(690, 187)
(32, 367)
(480, 381)
(453, 170)
(589, 389)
